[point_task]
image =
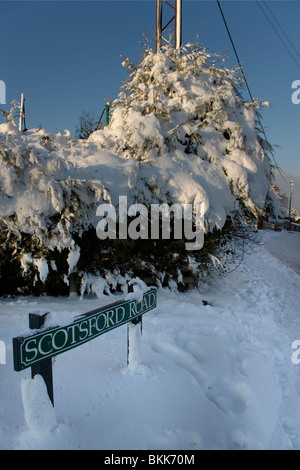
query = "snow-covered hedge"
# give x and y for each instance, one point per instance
(179, 133)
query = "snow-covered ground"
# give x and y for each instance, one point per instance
(216, 376)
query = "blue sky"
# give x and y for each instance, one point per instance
(65, 57)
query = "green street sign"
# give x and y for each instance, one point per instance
(30, 350)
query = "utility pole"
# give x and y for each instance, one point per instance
(107, 113)
(290, 205)
(22, 114)
(158, 25)
(176, 19)
(178, 24)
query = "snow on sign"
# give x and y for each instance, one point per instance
(30, 350)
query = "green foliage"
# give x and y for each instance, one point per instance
(158, 261)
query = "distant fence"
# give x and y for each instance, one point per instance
(278, 227)
(269, 226)
(294, 227)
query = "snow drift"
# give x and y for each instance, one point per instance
(216, 376)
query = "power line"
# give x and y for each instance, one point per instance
(235, 51)
(281, 28)
(277, 33)
(248, 88)
(286, 47)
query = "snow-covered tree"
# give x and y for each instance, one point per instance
(10, 116)
(182, 114)
(294, 212)
(179, 132)
(283, 200)
(87, 125)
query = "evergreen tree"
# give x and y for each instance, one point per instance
(180, 132)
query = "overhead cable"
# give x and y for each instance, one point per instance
(277, 33)
(248, 88)
(235, 51)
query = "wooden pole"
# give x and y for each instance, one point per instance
(134, 334)
(290, 203)
(21, 113)
(43, 368)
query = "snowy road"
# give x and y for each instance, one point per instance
(218, 376)
(284, 288)
(285, 247)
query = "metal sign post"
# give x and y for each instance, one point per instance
(22, 113)
(43, 368)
